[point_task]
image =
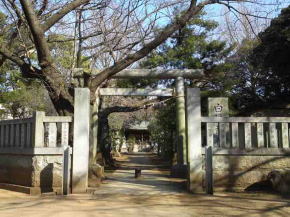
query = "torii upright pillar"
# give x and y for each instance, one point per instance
(181, 125)
(180, 169)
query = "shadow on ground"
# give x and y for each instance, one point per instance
(155, 194)
(155, 176)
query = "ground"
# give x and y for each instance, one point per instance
(154, 194)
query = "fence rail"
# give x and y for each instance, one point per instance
(246, 132)
(16, 133)
(39, 131)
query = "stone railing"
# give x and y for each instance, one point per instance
(233, 152)
(16, 133)
(240, 152)
(246, 132)
(37, 134)
(35, 154)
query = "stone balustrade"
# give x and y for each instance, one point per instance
(16, 133)
(35, 133)
(32, 153)
(232, 153)
(246, 132)
(244, 150)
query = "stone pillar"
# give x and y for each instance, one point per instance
(38, 129)
(220, 133)
(81, 140)
(94, 142)
(66, 170)
(193, 111)
(181, 125)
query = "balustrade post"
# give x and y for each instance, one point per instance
(38, 129)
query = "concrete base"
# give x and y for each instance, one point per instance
(28, 190)
(31, 170)
(231, 171)
(96, 171)
(179, 171)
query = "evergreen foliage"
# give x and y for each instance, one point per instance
(191, 47)
(271, 59)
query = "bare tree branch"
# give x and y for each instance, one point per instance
(7, 54)
(159, 39)
(37, 32)
(62, 12)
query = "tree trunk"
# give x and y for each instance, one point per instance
(104, 140)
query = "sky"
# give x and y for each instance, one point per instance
(265, 8)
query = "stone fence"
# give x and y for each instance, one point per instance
(247, 132)
(232, 153)
(31, 152)
(245, 149)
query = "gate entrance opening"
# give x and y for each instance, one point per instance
(178, 92)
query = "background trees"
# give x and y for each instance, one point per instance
(271, 58)
(252, 71)
(260, 68)
(19, 97)
(107, 35)
(190, 47)
(46, 40)
(162, 128)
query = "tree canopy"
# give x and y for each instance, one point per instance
(271, 58)
(107, 35)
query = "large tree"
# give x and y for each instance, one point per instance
(111, 34)
(271, 59)
(261, 68)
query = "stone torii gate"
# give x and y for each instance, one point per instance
(80, 185)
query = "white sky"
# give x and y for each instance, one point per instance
(264, 8)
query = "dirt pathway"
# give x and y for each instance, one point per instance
(154, 195)
(155, 178)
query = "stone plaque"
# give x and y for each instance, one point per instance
(218, 107)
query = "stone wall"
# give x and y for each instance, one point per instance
(16, 169)
(43, 173)
(238, 172)
(47, 171)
